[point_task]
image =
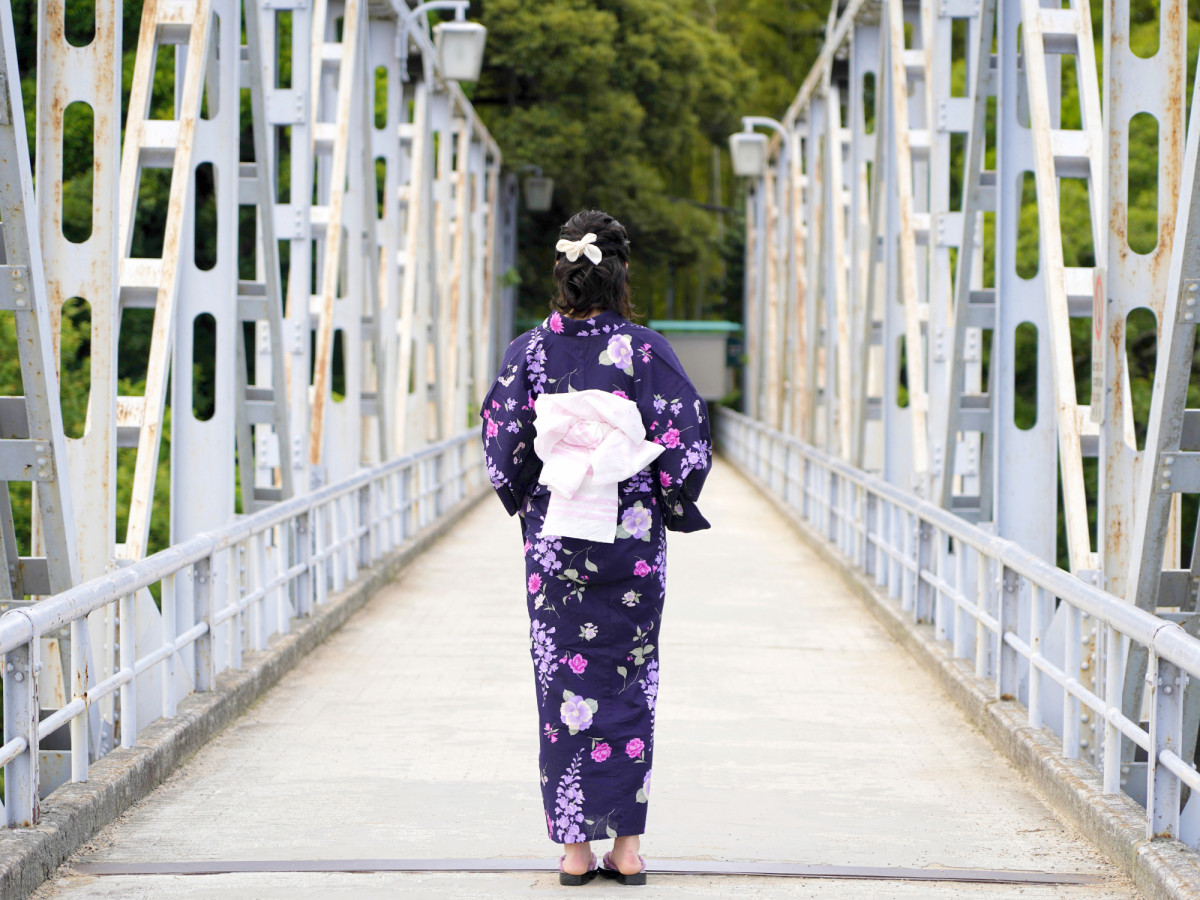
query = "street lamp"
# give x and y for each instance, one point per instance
(748, 148)
(539, 189)
(458, 45)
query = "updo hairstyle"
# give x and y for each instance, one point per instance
(584, 286)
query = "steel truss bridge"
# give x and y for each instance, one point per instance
(888, 313)
(885, 314)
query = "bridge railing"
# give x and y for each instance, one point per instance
(281, 563)
(969, 585)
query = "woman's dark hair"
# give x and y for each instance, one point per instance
(584, 286)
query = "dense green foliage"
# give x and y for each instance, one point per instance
(627, 104)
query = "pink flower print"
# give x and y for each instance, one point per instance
(621, 394)
(664, 479)
(492, 428)
(556, 324)
(641, 569)
(636, 521)
(670, 438)
(551, 733)
(634, 748)
(528, 547)
(577, 664)
(620, 351)
(601, 752)
(535, 580)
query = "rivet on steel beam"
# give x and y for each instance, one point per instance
(1083, 745)
(1167, 689)
(1168, 461)
(19, 676)
(1083, 718)
(1193, 287)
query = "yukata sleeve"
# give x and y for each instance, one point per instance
(508, 432)
(676, 417)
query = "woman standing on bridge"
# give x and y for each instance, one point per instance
(595, 436)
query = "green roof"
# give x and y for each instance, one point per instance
(692, 325)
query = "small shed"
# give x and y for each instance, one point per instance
(708, 350)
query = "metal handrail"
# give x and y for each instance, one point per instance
(976, 596)
(321, 540)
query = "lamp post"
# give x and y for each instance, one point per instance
(748, 152)
(458, 45)
(539, 190)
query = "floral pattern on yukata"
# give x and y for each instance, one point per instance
(595, 609)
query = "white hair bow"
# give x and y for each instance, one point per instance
(585, 245)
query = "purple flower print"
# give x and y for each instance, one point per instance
(601, 752)
(636, 521)
(543, 654)
(641, 569)
(587, 631)
(569, 806)
(659, 403)
(577, 664)
(634, 748)
(545, 552)
(676, 407)
(650, 683)
(620, 351)
(556, 324)
(631, 598)
(535, 583)
(576, 712)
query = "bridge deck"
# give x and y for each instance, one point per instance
(790, 728)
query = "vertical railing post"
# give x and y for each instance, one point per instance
(1037, 628)
(1009, 659)
(1163, 788)
(1114, 680)
(304, 578)
(983, 595)
(923, 607)
(81, 724)
(1070, 708)
(233, 595)
(364, 526)
(406, 501)
(869, 526)
(21, 713)
(169, 632)
(128, 659)
(202, 599)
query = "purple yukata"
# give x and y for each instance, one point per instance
(595, 608)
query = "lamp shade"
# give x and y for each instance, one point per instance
(460, 49)
(539, 191)
(748, 150)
